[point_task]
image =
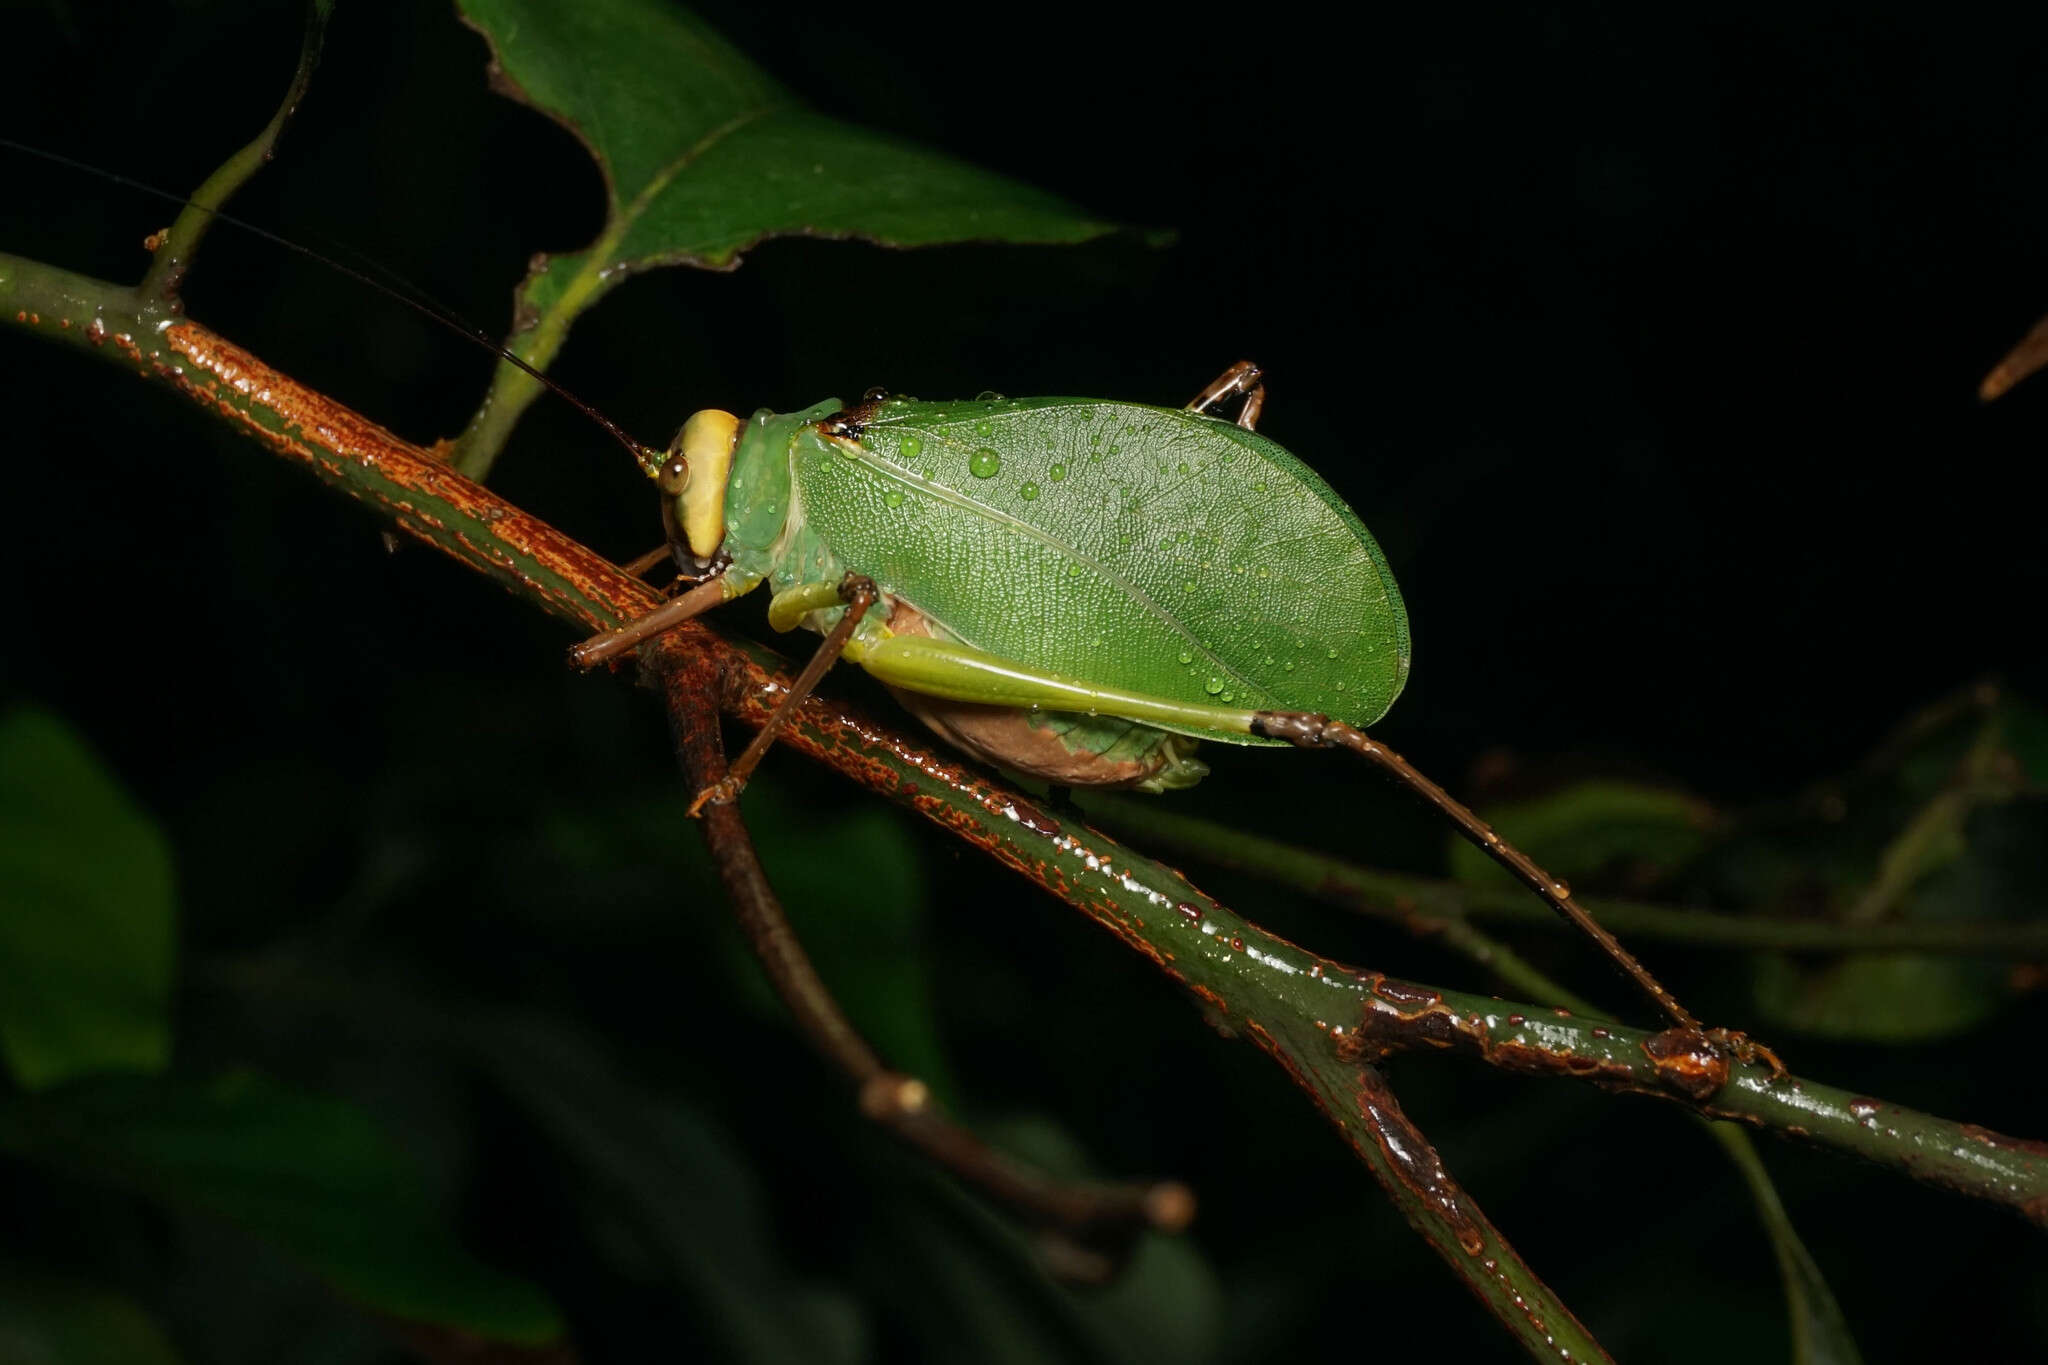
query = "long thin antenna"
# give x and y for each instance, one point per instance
(647, 457)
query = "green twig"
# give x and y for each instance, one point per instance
(1809, 1304)
(179, 243)
(1397, 896)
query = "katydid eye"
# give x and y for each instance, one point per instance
(674, 476)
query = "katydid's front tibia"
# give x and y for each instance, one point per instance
(1074, 589)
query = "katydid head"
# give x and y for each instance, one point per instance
(694, 474)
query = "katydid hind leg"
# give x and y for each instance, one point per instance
(858, 592)
(1312, 731)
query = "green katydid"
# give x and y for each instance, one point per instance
(1074, 589)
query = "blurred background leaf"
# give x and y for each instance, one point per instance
(87, 913)
(45, 1320)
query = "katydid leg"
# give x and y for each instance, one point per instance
(670, 614)
(1310, 731)
(1241, 378)
(858, 593)
(945, 668)
(653, 559)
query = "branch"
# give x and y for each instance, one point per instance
(1095, 1224)
(1402, 897)
(1317, 1017)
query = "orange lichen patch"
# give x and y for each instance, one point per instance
(1687, 1061)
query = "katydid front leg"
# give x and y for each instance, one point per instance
(858, 592)
(712, 592)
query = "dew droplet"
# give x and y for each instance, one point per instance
(1029, 492)
(1259, 487)
(1331, 654)
(1056, 473)
(913, 446)
(1290, 665)
(1213, 686)
(1188, 586)
(1116, 450)
(893, 498)
(984, 463)
(984, 429)
(1183, 467)
(1186, 657)
(1073, 570)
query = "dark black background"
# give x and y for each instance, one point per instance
(1646, 341)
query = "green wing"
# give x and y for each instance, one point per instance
(1146, 548)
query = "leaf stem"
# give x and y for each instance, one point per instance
(179, 242)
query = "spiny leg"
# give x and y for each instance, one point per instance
(858, 592)
(1242, 378)
(1102, 1218)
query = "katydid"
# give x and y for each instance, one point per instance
(1073, 589)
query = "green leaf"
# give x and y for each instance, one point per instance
(1942, 828)
(1878, 997)
(312, 1175)
(86, 912)
(704, 155)
(1594, 831)
(49, 1321)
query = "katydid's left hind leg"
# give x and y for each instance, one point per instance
(1312, 731)
(858, 592)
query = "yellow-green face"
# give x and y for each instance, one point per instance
(695, 473)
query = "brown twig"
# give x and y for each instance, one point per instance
(1103, 1217)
